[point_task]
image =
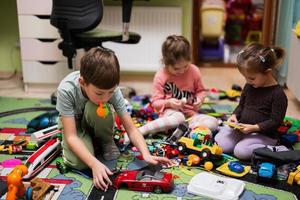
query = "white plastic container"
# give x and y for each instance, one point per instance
(216, 187)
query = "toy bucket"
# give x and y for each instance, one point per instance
(212, 20)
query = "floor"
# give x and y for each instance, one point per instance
(220, 78)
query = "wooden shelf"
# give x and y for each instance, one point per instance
(268, 31)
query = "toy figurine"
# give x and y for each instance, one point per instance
(102, 110)
(16, 188)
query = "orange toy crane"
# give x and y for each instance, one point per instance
(16, 188)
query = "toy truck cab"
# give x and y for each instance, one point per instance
(190, 146)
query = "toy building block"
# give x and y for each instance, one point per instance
(233, 125)
(42, 135)
(16, 188)
(39, 188)
(294, 176)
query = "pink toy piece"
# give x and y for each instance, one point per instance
(11, 163)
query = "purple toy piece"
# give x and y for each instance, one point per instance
(212, 50)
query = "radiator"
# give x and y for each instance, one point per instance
(154, 24)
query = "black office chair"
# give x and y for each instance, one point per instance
(76, 21)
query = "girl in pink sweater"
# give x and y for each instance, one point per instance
(178, 91)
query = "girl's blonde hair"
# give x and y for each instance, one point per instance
(175, 48)
(259, 58)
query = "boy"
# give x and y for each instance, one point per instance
(78, 95)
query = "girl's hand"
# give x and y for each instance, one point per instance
(197, 104)
(154, 160)
(174, 103)
(232, 119)
(249, 128)
(101, 176)
(194, 106)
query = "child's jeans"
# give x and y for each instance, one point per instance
(90, 128)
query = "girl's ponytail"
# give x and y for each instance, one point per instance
(279, 54)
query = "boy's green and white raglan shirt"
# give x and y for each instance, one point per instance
(71, 101)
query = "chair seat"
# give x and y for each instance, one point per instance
(97, 36)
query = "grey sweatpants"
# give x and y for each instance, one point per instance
(240, 144)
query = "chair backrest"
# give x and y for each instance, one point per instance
(76, 15)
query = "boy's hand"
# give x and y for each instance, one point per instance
(174, 103)
(154, 160)
(232, 119)
(101, 176)
(249, 128)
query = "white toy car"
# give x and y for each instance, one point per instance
(216, 187)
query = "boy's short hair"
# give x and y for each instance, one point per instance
(100, 67)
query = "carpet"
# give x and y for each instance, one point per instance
(75, 186)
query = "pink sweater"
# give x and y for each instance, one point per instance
(188, 85)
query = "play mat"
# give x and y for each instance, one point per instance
(75, 186)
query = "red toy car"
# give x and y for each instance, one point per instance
(145, 180)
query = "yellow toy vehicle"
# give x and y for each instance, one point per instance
(189, 146)
(233, 94)
(294, 176)
(206, 152)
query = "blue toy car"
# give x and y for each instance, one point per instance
(236, 167)
(266, 170)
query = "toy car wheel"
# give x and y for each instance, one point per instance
(181, 148)
(157, 190)
(205, 153)
(160, 152)
(123, 185)
(189, 163)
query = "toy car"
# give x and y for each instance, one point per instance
(170, 151)
(206, 152)
(145, 180)
(61, 166)
(236, 167)
(188, 145)
(266, 170)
